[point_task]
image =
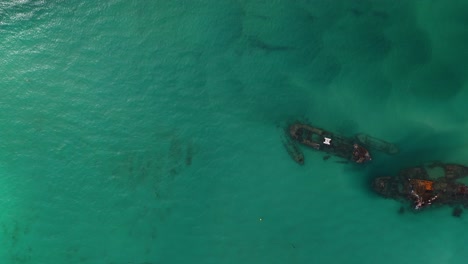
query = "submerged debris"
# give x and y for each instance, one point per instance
(401, 210)
(457, 212)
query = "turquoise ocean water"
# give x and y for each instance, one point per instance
(138, 132)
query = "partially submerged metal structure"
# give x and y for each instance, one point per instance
(354, 149)
(328, 142)
(417, 186)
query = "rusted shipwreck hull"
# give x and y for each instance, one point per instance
(328, 142)
(417, 186)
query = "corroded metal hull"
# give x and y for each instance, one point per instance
(328, 142)
(416, 185)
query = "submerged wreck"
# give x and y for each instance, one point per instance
(293, 149)
(418, 186)
(328, 142)
(377, 144)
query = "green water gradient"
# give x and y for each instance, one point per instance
(149, 131)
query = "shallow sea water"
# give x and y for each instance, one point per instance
(149, 131)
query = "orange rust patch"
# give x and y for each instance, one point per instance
(422, 185)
